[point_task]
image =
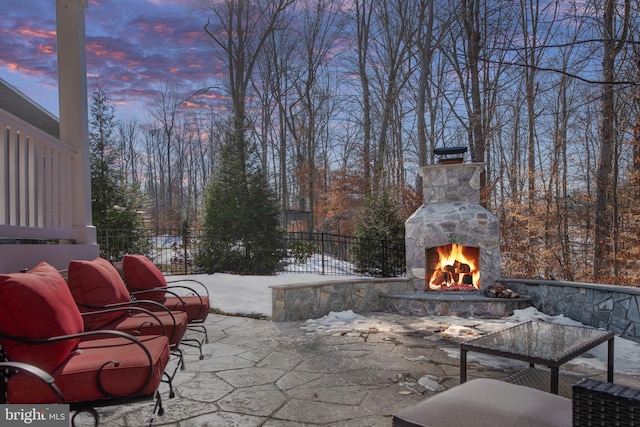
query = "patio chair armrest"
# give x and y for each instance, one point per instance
(605, 402)
(12, 367)
(138, 302)
(137, 292)
(171, 284)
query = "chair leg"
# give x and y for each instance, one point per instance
(157, 408)
(201, 329)
(192, 342)
(169, 382)
(178, 353)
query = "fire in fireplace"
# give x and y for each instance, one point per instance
(452, 267)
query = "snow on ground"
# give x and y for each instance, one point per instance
(242, 294)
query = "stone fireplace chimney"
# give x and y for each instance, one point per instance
(451, 214)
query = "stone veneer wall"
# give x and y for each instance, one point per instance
(314, 300)
(610, 307)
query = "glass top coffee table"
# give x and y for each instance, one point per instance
(540, 343)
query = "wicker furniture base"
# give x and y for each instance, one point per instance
(541, 380)
(596, 403)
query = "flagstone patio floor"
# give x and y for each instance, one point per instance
(263, 373)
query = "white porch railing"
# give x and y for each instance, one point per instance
(35, 182)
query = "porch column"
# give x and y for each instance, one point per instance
(74, 127)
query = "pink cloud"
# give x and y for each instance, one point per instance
(132, 46)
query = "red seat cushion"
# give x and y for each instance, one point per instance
(144, 324)
(196, 307)
(77, 377)
(96, 283)
(38, 304)
(141, 275)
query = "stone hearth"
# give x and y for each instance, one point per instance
(451, 303)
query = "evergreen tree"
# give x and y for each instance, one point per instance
(380, 230)
(241, 217)
(114, 203)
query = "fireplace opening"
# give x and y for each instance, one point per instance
(452, 267)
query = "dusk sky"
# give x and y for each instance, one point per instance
(133, 47)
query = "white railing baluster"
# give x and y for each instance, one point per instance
(32, 186)
(13, 177)
(39, 184)
(4, 174)
(23, 180)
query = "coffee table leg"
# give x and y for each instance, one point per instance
(555, 372)
(610, 361)
(463, 366)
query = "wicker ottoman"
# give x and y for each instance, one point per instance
(488, 402)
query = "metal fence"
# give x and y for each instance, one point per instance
(173, 251)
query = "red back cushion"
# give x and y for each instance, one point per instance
(141, 274)
(38, 304)
(96, 283)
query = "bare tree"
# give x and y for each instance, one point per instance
(239, 30)
(320, 28)
(426, 42)
(129, 135)
(364, 12)
(165, 111)
(397, 27)
(274, 70)
(612, 45)
(476, 57)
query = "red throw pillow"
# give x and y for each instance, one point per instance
(141, 275)
(38, 304)
(96, 283)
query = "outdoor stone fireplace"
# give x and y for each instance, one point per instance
(452, 242)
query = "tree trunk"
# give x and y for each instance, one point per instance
(602, 243)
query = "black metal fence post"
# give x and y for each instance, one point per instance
(384, 257)
(322, 250)
(185, 245)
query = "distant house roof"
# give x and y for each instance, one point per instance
(18, 104)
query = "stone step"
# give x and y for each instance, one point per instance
(462, 304)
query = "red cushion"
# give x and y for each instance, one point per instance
(96, 283)
(77, 377)
(38, 304)
(141, 274)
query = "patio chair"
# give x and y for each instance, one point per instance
(41, 325)
(144, 280)
(103, 300)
